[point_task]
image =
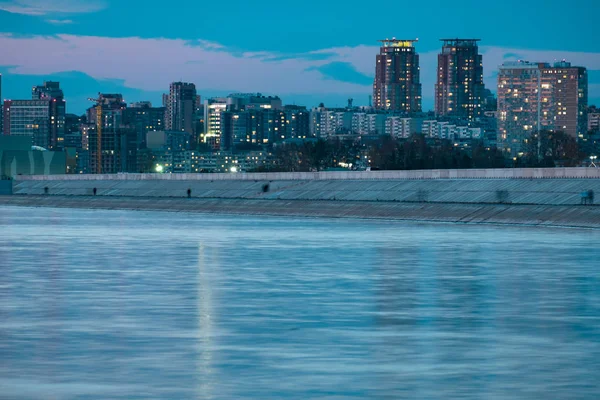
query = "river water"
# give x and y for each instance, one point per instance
(152, 305)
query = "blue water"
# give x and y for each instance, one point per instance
(148, 305)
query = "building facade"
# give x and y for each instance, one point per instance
(144, 118)
(42, 118)
(459, 88)
(57, 127)
(397, 85)
(566, 88)
(593, 124)
(520, 106)
(297, 120)
(28, 118)
(537, 96)
(109, 141)
(182, 102)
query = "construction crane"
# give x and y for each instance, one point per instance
(99, 123)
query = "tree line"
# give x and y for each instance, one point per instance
(543, 149)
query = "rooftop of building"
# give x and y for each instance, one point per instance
(458, 42)
(393, 42)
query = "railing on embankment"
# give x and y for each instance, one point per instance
(506, 173)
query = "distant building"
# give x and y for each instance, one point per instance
(49, 90)
(334, 122)
(536, 96)
(30, 118)
(397, 85)
(402, 127)
(182, 102)
(253, 126)
(170, 149)
(315, 121)
(118, 148)
(213, 108)
(446, 130)
(168, 140)
(141, 104)
(52, 91)
(297, 119)
(593, 115)
(246, 118)
(368, 123)
(238, 101)
(567, 87)
(112, 146)
(489, 102)
(459, 89)
(42, 118)
(144, 118)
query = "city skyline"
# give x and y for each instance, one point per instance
(307, 65)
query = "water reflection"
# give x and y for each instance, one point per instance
(131, 305)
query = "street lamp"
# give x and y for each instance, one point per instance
(159, 168)
(593, 161)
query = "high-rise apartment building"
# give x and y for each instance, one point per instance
(537, 96)
(297, 122)
(52, 91)
(397, 85)
(213, 108)
(258, 126)
(42, 117)
(182, 102)
(49, 90)
(144, 118)
(566, 87)
(243, 118)
(368, 123)
(28, 118)
(112, 145)
(459, 87)
(593, 124)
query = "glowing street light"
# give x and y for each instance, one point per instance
(593, 161)
(233, 169)
(159, 168)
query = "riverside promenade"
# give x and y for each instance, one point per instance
(546, 197)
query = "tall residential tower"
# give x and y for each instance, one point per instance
(537, 96)
(181, 104)
(459, 89)
(52, 92)
(397, 85)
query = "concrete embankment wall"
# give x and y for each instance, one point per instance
(544, 216)
(383, 186)
(546, 197)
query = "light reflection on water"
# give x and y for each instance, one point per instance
(135, 305)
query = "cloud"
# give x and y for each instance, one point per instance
(343, 72)
(310, 56)
(152, 64)
(60, 21)
(45, 7)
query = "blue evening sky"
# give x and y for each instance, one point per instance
(305, 51)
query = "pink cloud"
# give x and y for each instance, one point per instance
(45, 7)
(151, 64)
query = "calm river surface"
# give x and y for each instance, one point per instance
(151, 305)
